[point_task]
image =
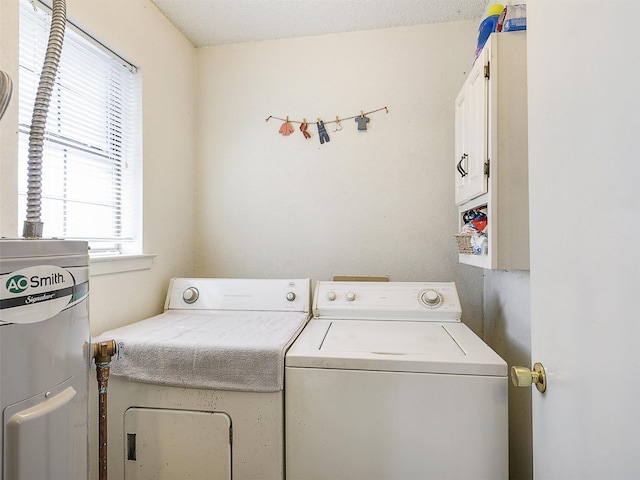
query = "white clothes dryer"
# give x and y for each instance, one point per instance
(385, 382)
(197, 391)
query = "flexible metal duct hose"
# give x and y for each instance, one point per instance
(33, 225)
(6, 87)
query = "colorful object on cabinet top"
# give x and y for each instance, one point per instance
(512, 18)
(487, 27)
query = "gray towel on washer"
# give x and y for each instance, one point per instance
(242, 351)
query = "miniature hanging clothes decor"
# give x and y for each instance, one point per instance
(338, 125)
(362, 122)
(322, 132)
(303, 129)
(286, 128)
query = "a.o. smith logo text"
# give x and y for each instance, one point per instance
(19, 283)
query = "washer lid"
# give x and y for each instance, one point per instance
(387, 338)
(421, 347)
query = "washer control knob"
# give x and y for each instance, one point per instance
(291, 296)
(331, 296)
(431, 298)
(350, 296)
(190, 295)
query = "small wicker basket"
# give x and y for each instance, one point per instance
(464, 243)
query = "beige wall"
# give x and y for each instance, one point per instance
(378, 202)
(367, 203)
(140, 33)
(9, 123)
(507, 324)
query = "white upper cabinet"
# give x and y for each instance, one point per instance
(471, 134)
(491, 152)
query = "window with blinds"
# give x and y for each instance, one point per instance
(91, 165)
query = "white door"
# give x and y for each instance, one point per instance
(584, 161)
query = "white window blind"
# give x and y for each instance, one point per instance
(91, 168)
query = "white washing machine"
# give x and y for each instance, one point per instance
(197, 391)
(385, 382)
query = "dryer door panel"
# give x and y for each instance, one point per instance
(163, 443)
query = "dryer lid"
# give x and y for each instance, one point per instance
(420, 347)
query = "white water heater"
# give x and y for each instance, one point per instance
(45, 356)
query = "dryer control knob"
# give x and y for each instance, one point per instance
(190, 295)
(291, 296)
(331, 296)
(431, 298)
(350, 296)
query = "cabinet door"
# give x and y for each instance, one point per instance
(471, 134)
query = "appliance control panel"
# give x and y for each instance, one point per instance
(239, 294)
(417, 301)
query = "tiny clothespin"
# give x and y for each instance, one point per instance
(338, 124)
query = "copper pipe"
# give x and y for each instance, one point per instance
(102, 353)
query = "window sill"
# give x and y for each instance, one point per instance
(108, 265)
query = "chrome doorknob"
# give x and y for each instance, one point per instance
(523, 377)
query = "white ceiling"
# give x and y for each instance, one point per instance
(215, 22)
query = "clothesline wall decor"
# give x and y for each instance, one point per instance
(337, 120)
(287, 129)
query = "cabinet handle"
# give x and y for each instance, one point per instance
(461, 170)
